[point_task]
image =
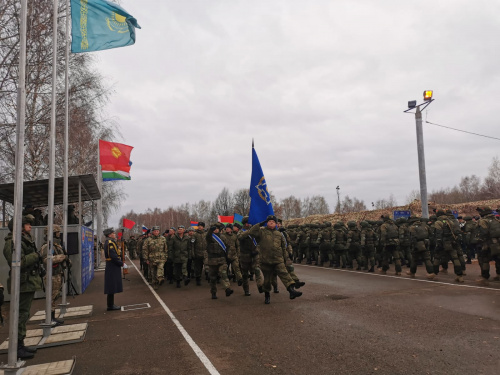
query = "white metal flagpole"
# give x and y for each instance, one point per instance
(64, 303)
(52, 169)
(13, 365)
(99, 208)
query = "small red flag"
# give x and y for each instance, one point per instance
(129, 224)
(225, 219)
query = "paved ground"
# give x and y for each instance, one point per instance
(345, 323)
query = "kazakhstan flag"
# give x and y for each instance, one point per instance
(99, 24)
(260, 204)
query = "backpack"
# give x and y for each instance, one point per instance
(421, 232)
(494, 228)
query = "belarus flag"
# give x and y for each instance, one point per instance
(225, 219)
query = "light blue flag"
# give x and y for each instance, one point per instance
(260, 204)
(99, 24)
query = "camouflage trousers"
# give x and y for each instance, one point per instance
(214, 272)
(249, 268)
(25, 299)
(198, 266)
(56, 289)
(291, 271)
(354, 253)
(369, 256)
(324, 251)
(156, 268)
(270, 269)
(180, 270)
(444, 253)
(388, 252)
(488, 253)
(420, 252)
(235, 267)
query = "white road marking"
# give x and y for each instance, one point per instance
(203, 358)
(399, 277)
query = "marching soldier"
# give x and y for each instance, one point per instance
(368, 241)
(389, 238)
(155, 249)
(200, 251)
(216, 260)
(419, 246)
(233, 249)
(489, 238)
(249, 258)
(180, 253)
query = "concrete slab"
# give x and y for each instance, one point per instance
(63, 335)
(52, 368)
(71, 313)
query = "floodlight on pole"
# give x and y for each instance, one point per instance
(420, 147)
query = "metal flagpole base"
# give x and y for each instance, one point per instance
(12, 370)
(47, 328)
(63, 307)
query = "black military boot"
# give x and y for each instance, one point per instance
(267, 298)
(293, 293)
(59, 322)
(214, 295)
(229, 291)
(299, 284)
(29, 349)
(186, 280)
(371, 269)
(22, 352)
(198, 281)
(251, 277)
(261, 290)
(247, 293)
(240, 282)
(178, 284)
(275, 289)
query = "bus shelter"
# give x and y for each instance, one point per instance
(80, 239)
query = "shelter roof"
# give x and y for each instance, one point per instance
(37, 192)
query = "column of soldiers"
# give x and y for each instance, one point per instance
(432, 242)
(225, 252)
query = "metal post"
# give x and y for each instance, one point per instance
(64, 292)
(421, 164)
(338, 199)
(47, 326)
(13, 365)
(99, 213)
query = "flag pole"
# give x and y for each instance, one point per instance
(47, 326)
(99, 207)
(64, 303)
(13, 365)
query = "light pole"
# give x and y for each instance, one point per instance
(420, 149)
(338, 199)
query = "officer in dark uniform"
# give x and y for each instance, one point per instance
(113, 272)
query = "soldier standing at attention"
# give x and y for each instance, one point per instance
(353, 245)
(169, 265)
(180, 254)
(155, 247)
(368, 241)
(389, 239)
(30, 280)
(131, 246)
(58, 263)
(200, 251)
(113, 272)
(273, 251)
(216, 260)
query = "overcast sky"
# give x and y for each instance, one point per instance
(320, 85)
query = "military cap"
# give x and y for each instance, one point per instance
(385, 217)
(484, 209)
(272, 217)
(108, 231)
(245, 219)
(181, 227)
(327, 223)
(433, 217)
(351, 223)
(71, 207)
(201, 224)
(28, 219)
(190, 229)
(156, 227)
(173, 228)
(468, 218)
(55, 229)
(364, 224)
(280, 221)
(237, 225)
(440, 212)
(229, 225)
(10, 225)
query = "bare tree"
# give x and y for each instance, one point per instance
(223, 204)
(290, 207)
(241, 199)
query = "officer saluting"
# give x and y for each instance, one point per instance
(113, 272)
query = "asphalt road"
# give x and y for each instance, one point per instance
(346, 322)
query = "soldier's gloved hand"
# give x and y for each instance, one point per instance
(263, 223)
(255, 253)
(213, 227)
(125, 266)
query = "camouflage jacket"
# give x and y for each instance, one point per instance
(154, 248)
(200, 244)
(233, 245)
(180, 248)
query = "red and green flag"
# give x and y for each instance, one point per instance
(225, 219)
(114, 159)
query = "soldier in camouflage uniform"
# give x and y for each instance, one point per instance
(59, 261)
(419, 246)
(200, 251)
(389, 238)
(489, 238)
(459, 239)
(447, 243)
(339, 243)
(131, 246)
(155, 249)
(312, 241)
(287, 260)
(368, 241)
(353, 245)
(325, 243)
(233, 250)
(404, 241)
(179, 253)
(249, 258)
(169, 265)
(216, 260)
(293, 233)
(471, 231)
(302, 243)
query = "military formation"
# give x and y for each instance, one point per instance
(223, 253)
(375, 245)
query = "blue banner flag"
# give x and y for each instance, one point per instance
(238, 219)
(260, 204)
(99, 24)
